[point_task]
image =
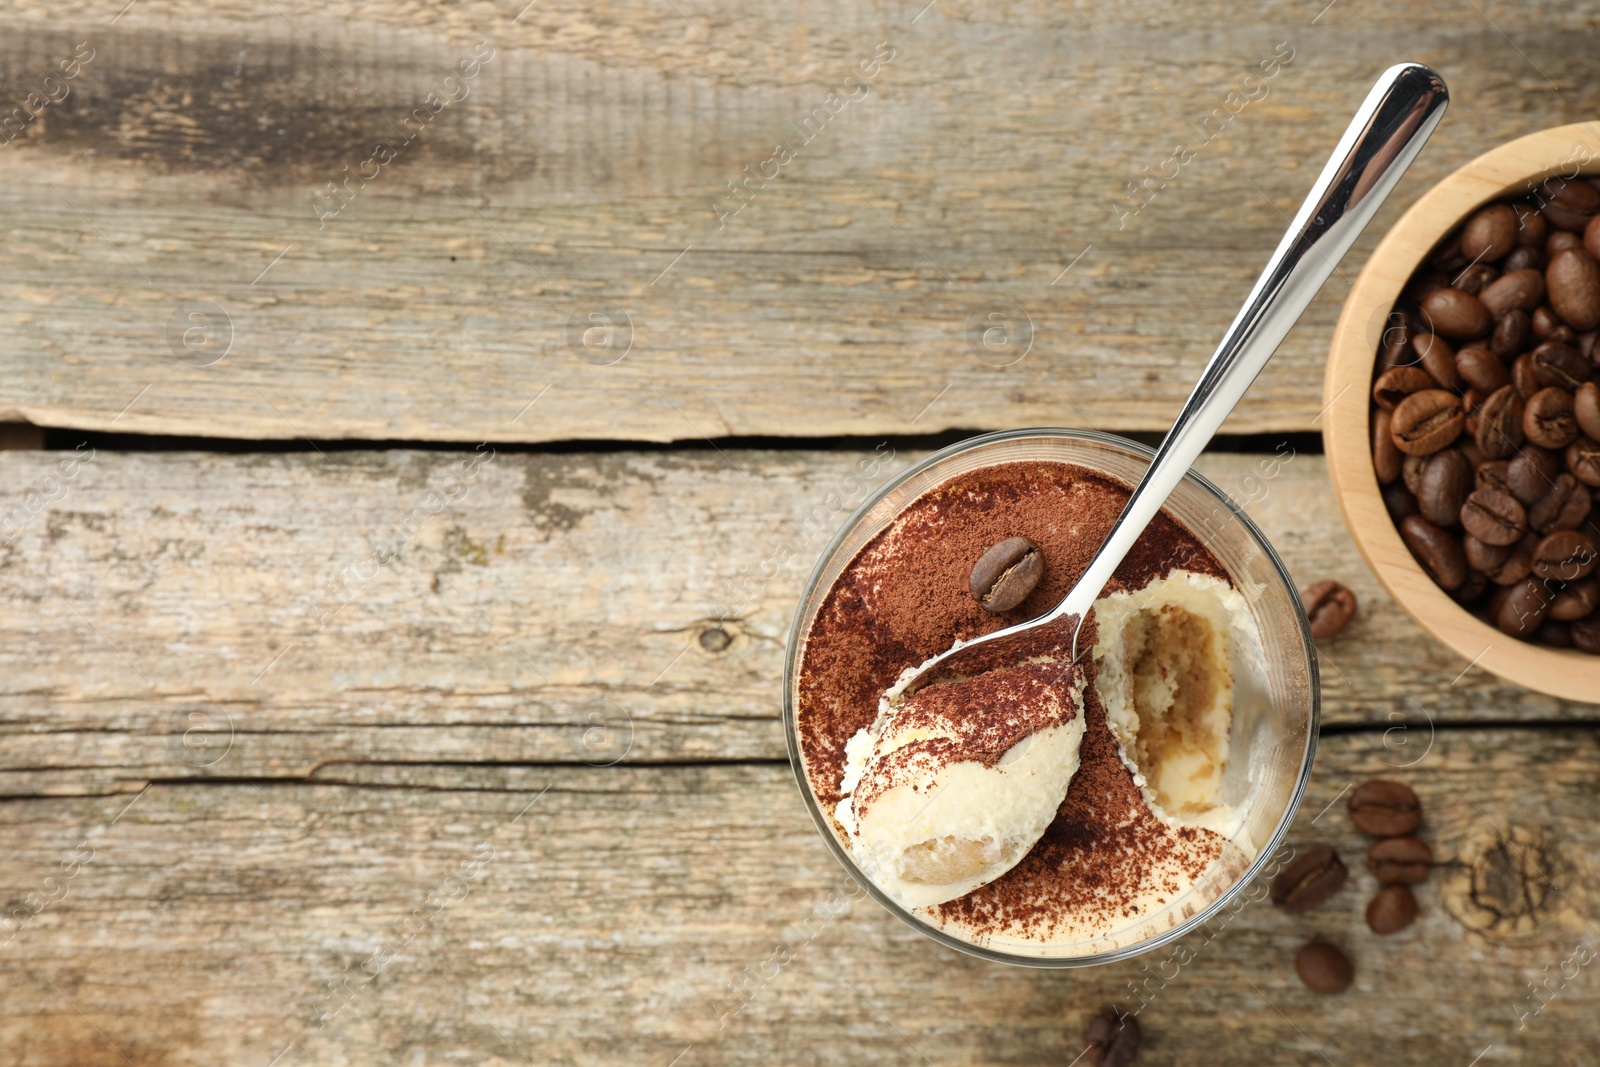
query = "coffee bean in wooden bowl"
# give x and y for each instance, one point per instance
(1463, 418)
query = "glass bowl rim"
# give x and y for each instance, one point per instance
(792, 740)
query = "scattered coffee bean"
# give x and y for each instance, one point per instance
(1442, 489)
(1573, 282)
(1427, 421)
(1548, 420)
(1005, 575)
(1392, 910)
(1439, 553)
(1309, 882)
(1323, 968)
(1385, 809)
(1459, 316)
(1329, 606)
(1112, 1037)
(1494, 518)
(1400, 860)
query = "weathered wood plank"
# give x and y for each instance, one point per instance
(178, 194)
(632, 915)
(198, 614)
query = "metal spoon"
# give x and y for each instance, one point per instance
(1381, 141)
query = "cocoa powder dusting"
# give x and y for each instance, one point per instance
(905, 598)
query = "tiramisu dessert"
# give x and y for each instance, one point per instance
(1037, 802)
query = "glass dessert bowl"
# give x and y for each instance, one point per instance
(1183, 745)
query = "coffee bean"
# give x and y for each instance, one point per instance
(1524, 258)
(1576, 600)
(1591, 238)
(1474, 277)
(1586, 408)
(1005, 575)
(1547, 326)
(1438, 552)
(1573, 281)
(1457, 315)
(1531, 227)
(1564, 507)
(1427, 421)
(1386, 458)
(1392, 910)
(1517, 290)
(1565, 556)
(1523, 377)
(1583, 460)
(1526, 605)
(1112, 1037)
(1444, 486)
(1435, 356)
(1397, 383)
(1499, 431)
(1481, 369)
(1549, 420)
(1329, 606)
(1490, 233)
(1512, 332)
(1560, 241)
(1493, 474)
(1384, 808)
(1516, 566)
(1531, 473)
(1482, 557)
(1586, 635)
(1394, 346)
(1323, 968)
(1560, 364)
(1553, 633)
(1494, 518)
(1411, 469)
(1471, 588)
(1567, 204)
(1309, 882)
(1399, 501)
(1400, 860)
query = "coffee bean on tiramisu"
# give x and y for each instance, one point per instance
(1005, 574)
(1329, 606)
(1309, 882)
(1400, 860)
(1323, 968)
(1112, 1037)
(1384, 808)
(1393, 909)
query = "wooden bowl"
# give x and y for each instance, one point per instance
(1348, 395)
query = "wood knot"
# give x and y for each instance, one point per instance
(716, 638)
(1506, 886)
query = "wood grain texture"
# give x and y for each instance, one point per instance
(181, 614)
(638, 915)
(578, 177)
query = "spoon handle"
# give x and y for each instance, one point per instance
(1384, 137)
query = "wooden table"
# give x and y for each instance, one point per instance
(400, 697)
